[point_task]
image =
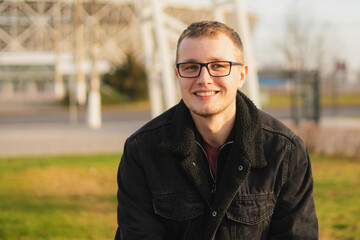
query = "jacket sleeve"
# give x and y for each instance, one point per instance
(135, 214)
(294, 215)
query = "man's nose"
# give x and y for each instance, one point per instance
(204, 76)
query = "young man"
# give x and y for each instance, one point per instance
(214, 166)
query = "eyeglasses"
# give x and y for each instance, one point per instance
(215, 69)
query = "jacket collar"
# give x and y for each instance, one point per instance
(246, 152)
(247, 132)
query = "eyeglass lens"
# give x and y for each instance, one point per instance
(214, 68)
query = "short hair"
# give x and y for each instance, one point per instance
(210, 29)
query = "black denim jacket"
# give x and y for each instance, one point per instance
(263, 191)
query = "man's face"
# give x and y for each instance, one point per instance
(206, 95)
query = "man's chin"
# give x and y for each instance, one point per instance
(204, 112)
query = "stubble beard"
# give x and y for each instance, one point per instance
(206, 113)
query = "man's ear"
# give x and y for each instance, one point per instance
(243, 74)
(176, 73)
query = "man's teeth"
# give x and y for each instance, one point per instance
(204, 94)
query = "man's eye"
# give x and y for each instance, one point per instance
(190, 67)
(217, 66)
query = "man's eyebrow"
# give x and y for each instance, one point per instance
(212, 59)
(189, 60)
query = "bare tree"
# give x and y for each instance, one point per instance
(304, 51)
(304, 43)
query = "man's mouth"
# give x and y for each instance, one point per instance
(205, 94)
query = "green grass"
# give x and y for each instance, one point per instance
(337, 196)
(342, 100)
(68, 197)
(284, 100)
(74, 197)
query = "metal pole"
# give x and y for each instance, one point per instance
(316, 97)
(298, 97)
(252, 85)
(166, 66)
(81, 83)
(94, 104)
(73, 110)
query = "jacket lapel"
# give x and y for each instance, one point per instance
(193, 166)
(246, 152)
(182, 144)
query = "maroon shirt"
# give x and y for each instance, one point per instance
(212, 153)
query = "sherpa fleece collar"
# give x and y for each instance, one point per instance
(248, 133)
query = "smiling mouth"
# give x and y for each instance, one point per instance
(205, 94)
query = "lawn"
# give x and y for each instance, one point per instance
(337, 197)
(74, 197)
(284, 100)
(69, 197)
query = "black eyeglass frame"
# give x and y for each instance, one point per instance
(207, 68)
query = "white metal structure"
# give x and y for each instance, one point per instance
(96, 31)
(243, 28)
(158, 29)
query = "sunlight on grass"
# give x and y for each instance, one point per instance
(284, 100)
(337, 197)
(74, 197)
(71, 197)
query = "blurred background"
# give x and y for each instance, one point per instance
(77, 77)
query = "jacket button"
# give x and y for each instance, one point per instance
(240, 167)
(214, 213)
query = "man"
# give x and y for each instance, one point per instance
(214, 166)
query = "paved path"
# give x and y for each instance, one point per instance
(33, 128)
(38, 139)
(38, 128)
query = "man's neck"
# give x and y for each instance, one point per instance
(214, 129)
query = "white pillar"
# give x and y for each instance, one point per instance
(218, 11)
(80, 75)
(252, 82)
(94, 110)
(152, 75)
(165, 63)
(94, 104)
(59, 83)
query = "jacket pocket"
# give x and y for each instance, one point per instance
(251, 209)
(178, 206)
